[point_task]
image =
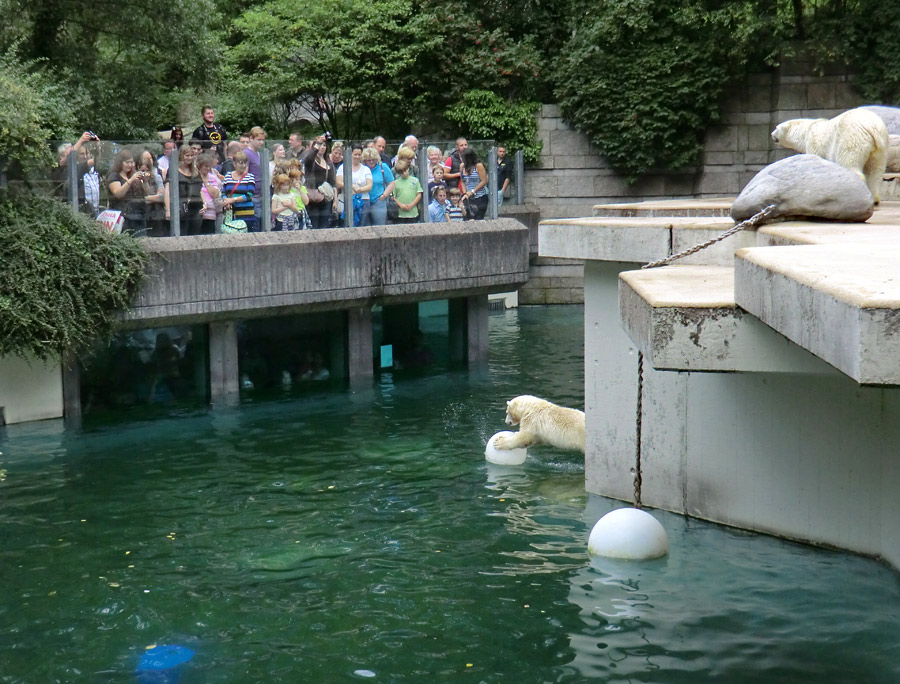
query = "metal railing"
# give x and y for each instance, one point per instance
(70, 179)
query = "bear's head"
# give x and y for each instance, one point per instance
(511, 417)
(521, 406)
(778, 133)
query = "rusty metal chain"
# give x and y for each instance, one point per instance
(638, 480)
(751, 222)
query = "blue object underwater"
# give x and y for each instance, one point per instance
(157, 664)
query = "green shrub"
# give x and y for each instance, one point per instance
(63, 279)
(483, 114)
(644, 79)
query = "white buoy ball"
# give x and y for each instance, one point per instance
(628, 533)
(504, 456)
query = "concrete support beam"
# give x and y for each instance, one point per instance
(469, 329)
(359, 346)
(71, 388)
(223, 363)
(477, 328)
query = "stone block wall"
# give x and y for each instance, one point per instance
(573, 176)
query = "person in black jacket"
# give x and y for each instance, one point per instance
(212, 135)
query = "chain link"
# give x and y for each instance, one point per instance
(751, 222)
(638, 480)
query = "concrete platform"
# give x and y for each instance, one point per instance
(720, 207)
(641, 239)
(828, 287)
(840, 301)
(685, 318)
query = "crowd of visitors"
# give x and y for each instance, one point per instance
(219, 182)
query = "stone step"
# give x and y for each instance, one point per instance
(685, 318)
(640, 239)
(839, 300)
(716, 207)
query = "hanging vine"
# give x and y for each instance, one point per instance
(63, 279)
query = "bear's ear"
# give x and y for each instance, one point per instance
(509, 403)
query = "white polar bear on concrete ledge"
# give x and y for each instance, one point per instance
(856, 139)
(542, 422)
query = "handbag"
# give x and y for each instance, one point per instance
(234, 226)
(393, 210)
(231, 224)
(315, 195)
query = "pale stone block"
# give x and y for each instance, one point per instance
(719, 158)
(846, 96)
(567, 142)
(649, 186)
(792, 97)
(681, 185)
(822, 94)
(757, 157)
(551, 111)
(720, 183)
(610, 186)
(760, 118)
(544, 186)
(759, 138)
(720, 138)
(576, 186)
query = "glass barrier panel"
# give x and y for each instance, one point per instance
(296, 183)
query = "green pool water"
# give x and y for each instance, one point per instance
(337, 536)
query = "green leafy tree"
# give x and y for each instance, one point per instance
(337, 63)
(645, 78)
(33, 109)
(63, 278)
(122, 64)
(484, 114)
(456, 51)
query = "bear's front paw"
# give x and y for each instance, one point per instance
(501, 442)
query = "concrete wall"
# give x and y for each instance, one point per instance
(573, 176)
(226, 277)
(807, 455)
(29, 390)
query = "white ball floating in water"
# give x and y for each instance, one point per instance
(628, 533)
(504, 456)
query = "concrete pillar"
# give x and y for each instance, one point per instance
(359, 346)
(223, 363)
(469, 329)
(71, 387)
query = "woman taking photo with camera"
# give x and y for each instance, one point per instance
(127, 190)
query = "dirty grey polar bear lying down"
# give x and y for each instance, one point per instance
(542, 422)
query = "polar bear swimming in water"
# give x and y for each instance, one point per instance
(856, 139)
(542, 422)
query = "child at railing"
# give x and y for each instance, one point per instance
(301, 197)
(457, 210)
(284, 205)
(407, 193)
(437, 180)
